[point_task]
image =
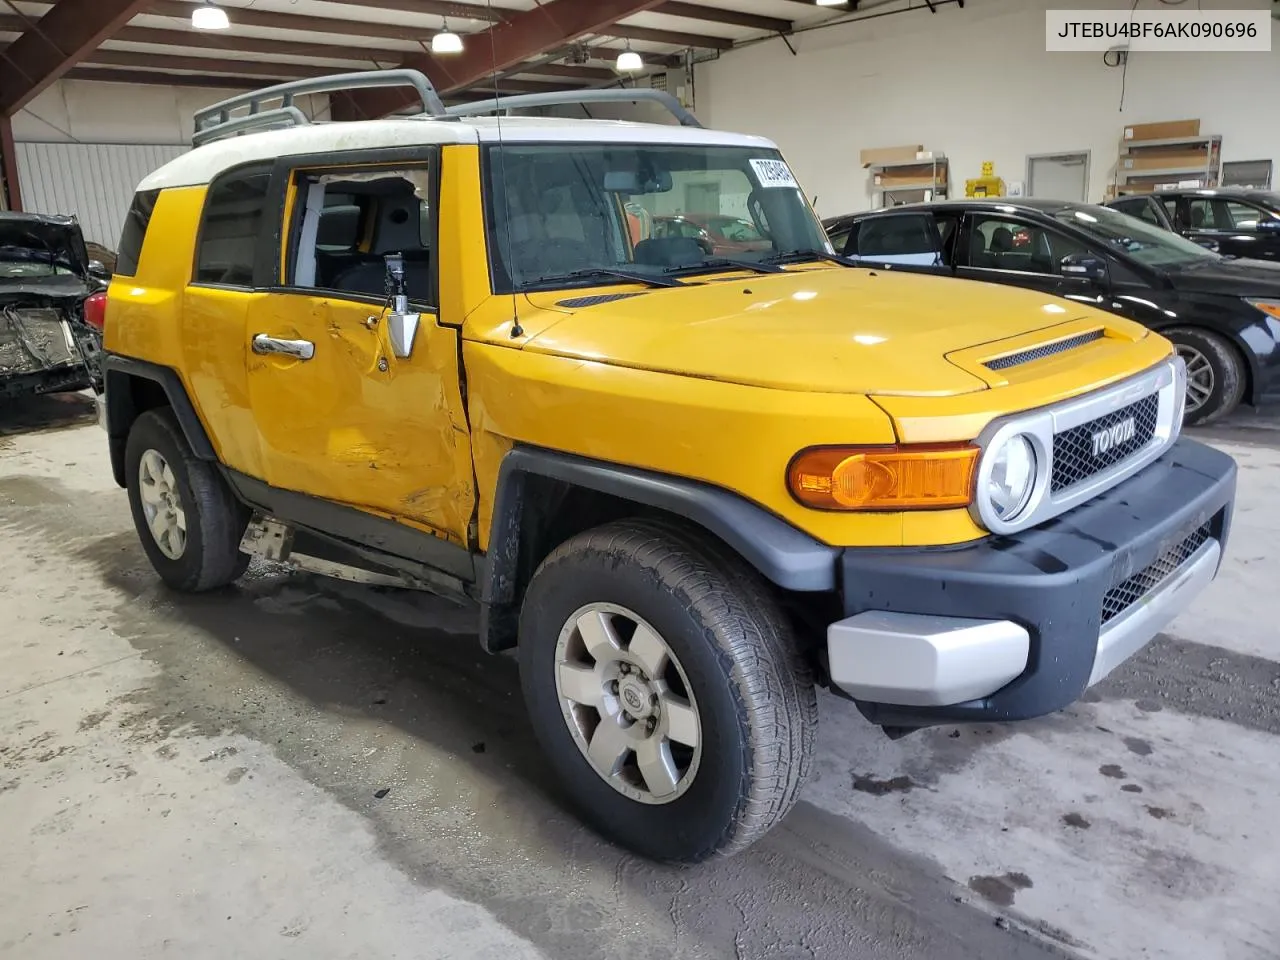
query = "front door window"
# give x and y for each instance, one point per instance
(1003, 243)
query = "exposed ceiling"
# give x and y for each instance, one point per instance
(510, 46)
(519, 45)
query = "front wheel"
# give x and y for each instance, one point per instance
(1215, 374)
(667, 690)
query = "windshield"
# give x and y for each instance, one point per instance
(559, 214)
(1143, 241)
(33, 250)
(734, 228)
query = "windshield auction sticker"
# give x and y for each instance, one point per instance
(773, 173)
(1188, 30)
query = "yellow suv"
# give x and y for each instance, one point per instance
(447, 352)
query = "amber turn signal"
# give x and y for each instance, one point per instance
(1270, 307)
(884, 478)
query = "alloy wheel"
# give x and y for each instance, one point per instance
(1200, 378)
(628, 703)
(162, 505)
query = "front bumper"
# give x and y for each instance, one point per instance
(1019, 626)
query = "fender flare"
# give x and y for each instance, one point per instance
(120, 410)
(782, 553)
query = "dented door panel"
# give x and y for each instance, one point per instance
(356, 424)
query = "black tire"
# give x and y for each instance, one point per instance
(754, 689)
(215, 520)
(1225, 365)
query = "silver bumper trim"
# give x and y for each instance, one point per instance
(924, 661)
(1130, 631)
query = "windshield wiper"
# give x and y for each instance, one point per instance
(588, 273)
(803, 256)
(721, 263)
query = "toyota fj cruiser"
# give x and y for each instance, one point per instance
(445, 352)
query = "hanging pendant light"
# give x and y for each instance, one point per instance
(446, 41)
(207, 16)
(629, 61)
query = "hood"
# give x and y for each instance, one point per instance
(43, 290)
(34, 239)
(829, 330)
(1230, 277)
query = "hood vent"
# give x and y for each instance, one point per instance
(595, 300)
(1046, 350)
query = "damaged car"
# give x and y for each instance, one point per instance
(52, 303)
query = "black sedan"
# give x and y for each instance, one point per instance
(1241, 223)
(1222, 313)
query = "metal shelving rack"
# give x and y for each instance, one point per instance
(1151, 179)
(931, 184)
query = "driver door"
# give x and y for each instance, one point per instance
(1004, 248)
(340, 417)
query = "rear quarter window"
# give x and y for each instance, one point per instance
(230, 227)
(136, 222)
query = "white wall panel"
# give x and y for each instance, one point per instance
(976, 84)
(93, 181)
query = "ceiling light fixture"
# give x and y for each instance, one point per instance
(446, 41)
(629, 61)
(830, 3)
(209, 17)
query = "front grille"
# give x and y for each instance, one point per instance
(1039, 353)
(1076, 455)
(1125, 594)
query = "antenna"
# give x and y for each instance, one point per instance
(516, 330)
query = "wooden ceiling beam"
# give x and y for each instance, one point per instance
(736, 18)
(248, 68)
(49, 47)
(155, 77)
(249, 17)
(455, 11)
(208, 40)
(525, 36)
(626, 31)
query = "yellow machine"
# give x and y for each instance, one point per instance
(685, 484)
(987, 185)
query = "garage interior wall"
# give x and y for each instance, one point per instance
(82, 147)
(977, 84)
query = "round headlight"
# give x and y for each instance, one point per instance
(1012, 478)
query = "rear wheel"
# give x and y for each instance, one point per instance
(666, 689)
(189, 522)
(1215, 374)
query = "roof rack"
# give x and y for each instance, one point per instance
(630, 95)
(216, 122)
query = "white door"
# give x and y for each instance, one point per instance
(1063, 176)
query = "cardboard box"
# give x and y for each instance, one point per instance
(901, 176)
(1165, 130)
(1166, 160)
(874, 155)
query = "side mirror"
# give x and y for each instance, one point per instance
(402, 326)
(1268, 226)
(1085, 266)
(98, 270)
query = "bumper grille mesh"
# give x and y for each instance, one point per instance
(1128, 592)
(1074, 458)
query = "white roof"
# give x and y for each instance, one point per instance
(202, 164)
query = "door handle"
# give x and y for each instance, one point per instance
(299, 349)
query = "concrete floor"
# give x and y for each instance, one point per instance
(204, 777)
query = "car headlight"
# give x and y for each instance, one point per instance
(1012, 477)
